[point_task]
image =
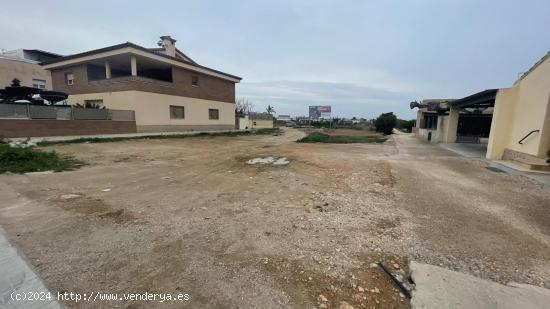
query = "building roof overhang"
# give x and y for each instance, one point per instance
(135, 50)
(43, 52)
(484, 98)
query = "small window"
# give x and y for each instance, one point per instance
(177, 112)
(195, 81)
(69, 78)
(39, 83)
(213, 114)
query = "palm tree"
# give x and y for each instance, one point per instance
(270, 110)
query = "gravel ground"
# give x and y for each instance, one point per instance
(190, 216)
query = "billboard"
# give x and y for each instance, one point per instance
(319, 112)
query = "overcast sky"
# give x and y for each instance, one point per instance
(361, 57)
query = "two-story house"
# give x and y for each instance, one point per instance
(167, 90)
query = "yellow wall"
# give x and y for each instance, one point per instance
(501, 125)
(153, 109)
(519, 110)
(24, 71)
(260, 123)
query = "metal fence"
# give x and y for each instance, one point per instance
(20, 111)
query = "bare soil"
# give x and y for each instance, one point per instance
(189, 215)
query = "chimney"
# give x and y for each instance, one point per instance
(169, 45)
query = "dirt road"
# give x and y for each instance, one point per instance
(190, 216)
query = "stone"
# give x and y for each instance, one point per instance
(345, 305)
(39, 173)
(70, 196)
(360, 289)
(322, 298)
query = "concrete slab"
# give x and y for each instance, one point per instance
(439, 288)
(466, 149)
(17, 277)
(479, 150)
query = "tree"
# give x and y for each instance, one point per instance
(270, 110)
(16, 83)
(385, 123)
(406, 125)
(243, 106)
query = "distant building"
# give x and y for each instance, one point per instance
(23, 64)
(283, 118)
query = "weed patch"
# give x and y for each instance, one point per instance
(25, 160)
(317, 137)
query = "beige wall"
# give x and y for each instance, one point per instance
(501, 125)
(153, 110)
(244, 123)
(519, 110)
(260, 123)
(437, 134)
(418, 118)
(423, 134)
(24, 71)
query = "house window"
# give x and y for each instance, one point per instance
(39, 83)
(213, 114)
(195, 81)
(69, 78)
(177, 112)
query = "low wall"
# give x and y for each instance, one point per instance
(52, 127)
(184, 128)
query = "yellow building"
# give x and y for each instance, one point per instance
(513, 122)
(260, 121)
(167, 89)
(521, 119)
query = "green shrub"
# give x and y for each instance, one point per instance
(24, 160)
(317, 137)
(385, 123)
(406, 125)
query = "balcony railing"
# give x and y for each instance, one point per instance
(26, 111)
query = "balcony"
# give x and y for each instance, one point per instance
(124, 69)
(129, 79)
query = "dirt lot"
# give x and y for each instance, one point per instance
(190, 216)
